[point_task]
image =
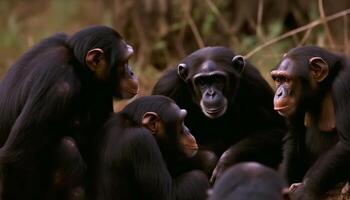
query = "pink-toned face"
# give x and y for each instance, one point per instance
(187, 140)
(284, 100)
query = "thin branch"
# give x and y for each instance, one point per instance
(326, 27)
(221, 19)
(346, 38)
(195, 31)
(189, 19)
(298, 30)
(213, 8)
(305, 37)
(259, 18)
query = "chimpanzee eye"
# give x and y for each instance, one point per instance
(218, 78)
(200, 81)
(279, 79)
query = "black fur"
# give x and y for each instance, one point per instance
(250, 128)
(135, 165)
(319, 158)
(49, 93)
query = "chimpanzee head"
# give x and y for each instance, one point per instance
(250, 180)
(165, 120)
(103, 52)
(212, 74)
(302, 77)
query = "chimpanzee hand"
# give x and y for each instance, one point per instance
(221, 166)
(299, 191)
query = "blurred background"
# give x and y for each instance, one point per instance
(164, 31)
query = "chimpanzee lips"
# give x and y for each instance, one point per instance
(281, 109)
(214, 112)
(191, 147)
(284, 106)
(285, 111)
(191, 151)
(129, 93)
(134, 92)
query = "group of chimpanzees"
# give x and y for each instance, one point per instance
(60, 138)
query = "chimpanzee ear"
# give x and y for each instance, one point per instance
(93, 58)
(239, 63)
(319, 68)
(182, 71)
(150, 120)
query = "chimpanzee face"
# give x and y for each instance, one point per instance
(296, 84)
(186, 141)
(171, 132)
(128, 85)
(285, 95)
(122, 79)
(210, 83)
(211, 79)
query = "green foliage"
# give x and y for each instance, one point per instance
(62, 11)
(274, 28)
(208, 24)
(10, 33)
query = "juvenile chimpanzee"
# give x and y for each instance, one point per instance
(140, 151)
(250, 181)
(62, 86)
(229, 106)
(312, 92)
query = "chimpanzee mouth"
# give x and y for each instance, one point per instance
(130, 93)
(214, 112)
(285, 111)
(190, 152)
(133, 92)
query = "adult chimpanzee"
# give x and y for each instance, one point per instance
(313, 94)
(62, 86)
(250, 181)
(140, 151)
(229, 108)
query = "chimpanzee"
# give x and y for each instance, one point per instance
(229, 106)
(63, 86)
(250, 181)
(140, 149)
(312, 92)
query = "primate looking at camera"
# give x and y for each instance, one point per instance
(312, 92)
(140, 149)
(63, 86)
(230, 109)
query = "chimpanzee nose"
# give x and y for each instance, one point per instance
(210, 93)
(280, 92)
